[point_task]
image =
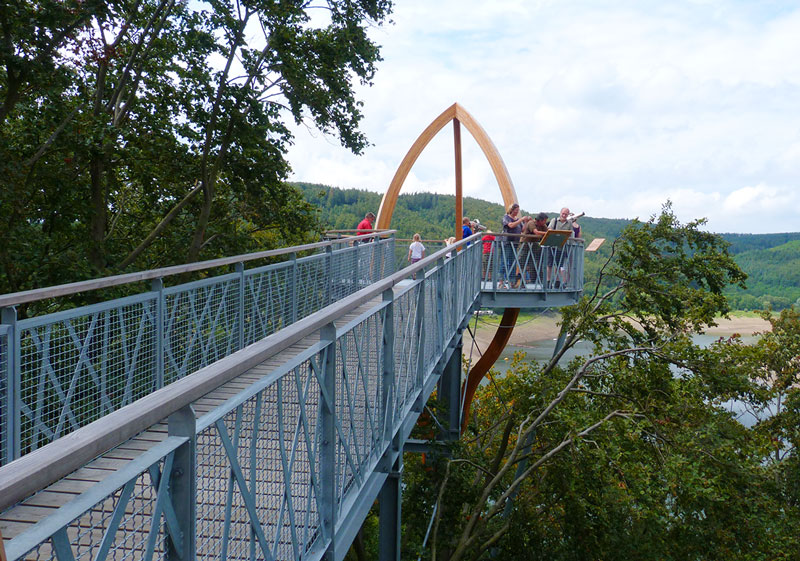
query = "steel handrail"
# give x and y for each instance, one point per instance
(26, 296)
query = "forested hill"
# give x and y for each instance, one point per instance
(772, 261)
(428, 214)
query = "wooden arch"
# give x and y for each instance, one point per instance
(458, 115)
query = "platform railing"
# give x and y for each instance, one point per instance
(286, 469)
(513, 265)
(61, 371)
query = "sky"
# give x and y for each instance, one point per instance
(607, 107)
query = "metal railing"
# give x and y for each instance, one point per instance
(61, 371)
(527, 266)
(287, 468)
(517, 266)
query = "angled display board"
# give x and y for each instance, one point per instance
(555, 238)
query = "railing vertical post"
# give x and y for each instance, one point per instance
(329, 275)
(293, 286)
(390, 503)
(357, 260)
(439, 279)
(387, 366)
(157, 285)
(420, 327)
(327, 453)
(240, 322)
(493, 262)
(183, 485)
(11, 431)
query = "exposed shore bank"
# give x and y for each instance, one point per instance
(528, 332)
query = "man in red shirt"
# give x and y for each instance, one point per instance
(487, 240)
(366, 224)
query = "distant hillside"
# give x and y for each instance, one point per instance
(428, 214)
(772, 261)
(747, 242)
(773, 276)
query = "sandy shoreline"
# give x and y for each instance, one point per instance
(541, 328)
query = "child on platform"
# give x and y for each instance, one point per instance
(416, 251)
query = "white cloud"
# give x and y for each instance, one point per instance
(607, 107)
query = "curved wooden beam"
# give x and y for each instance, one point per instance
(490, 356)
(457, 112)
(459, 116)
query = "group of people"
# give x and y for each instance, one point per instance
(528, 232)
(522, 233)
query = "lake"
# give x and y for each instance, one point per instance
(543, 350)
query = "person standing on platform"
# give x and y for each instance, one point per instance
(556, 259)
(447, 242)
(530, 251)
(487, 240)
(512, 224)
(365, 225)
(466, 230)
(416, 251)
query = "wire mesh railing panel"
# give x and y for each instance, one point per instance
(213, 480)
(298, 442)
(200, 325)
(120, 526)
(312, 285)
(267, 301)
(388, 266)
(79, 365)
(359, 400)
(406, 345)
(270, 476)
(430, 323)
(343, 272)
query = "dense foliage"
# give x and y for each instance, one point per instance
(145, 133)
(633, 450)
(771, 261)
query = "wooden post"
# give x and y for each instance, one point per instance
(459, 200)
(2, 549)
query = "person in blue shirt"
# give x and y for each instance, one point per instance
(466, 231)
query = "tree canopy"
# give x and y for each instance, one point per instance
(140, 133)
(632, 451)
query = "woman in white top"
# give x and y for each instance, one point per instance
(416, 251)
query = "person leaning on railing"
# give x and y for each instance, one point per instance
(529, 249)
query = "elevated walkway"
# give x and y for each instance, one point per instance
(269, 444)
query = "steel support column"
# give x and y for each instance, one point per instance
(450, 390)
(390, 503)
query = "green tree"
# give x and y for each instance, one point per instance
(144, 133)
(631, 452)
